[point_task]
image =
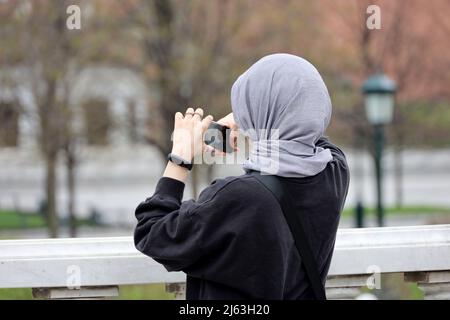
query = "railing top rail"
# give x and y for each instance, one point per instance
(115, 261)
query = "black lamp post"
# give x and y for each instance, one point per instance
(379, 93)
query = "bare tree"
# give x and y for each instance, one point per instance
(44, 48)
(184, 48)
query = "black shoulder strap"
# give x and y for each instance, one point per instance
(296, 226)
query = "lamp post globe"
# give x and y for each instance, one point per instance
(379, 91)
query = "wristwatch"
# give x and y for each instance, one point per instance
(180, 161)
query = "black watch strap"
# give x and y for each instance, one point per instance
(180, 161)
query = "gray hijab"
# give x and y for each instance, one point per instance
(283, 105)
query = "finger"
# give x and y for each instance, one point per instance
(189, 113)
(208, 149)
(213, 151)
(178, 116)
(223, 122)
(198, 114)
(234, 139)
(207, 121)
(218, 152)
(228, 121)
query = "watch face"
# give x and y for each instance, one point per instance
(176, 160)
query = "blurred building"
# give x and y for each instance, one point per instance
(110, 114)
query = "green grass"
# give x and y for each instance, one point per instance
(406, 210)
(404, 290)
(414, 292)
(10, 219)
(16, 294)
(393, 286)
(145, 292)
(135, 292)
(19, 220)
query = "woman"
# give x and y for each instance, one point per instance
(234, 242)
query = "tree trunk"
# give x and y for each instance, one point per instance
(398, 170)
(52, 216)
(71, 166)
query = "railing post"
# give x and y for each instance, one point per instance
(100, 292)
(178, 288)
(346, 287)
(434, 284)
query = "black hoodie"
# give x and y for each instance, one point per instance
(234, 242)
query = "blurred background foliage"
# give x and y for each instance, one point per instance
(192, 51)
(188, 53)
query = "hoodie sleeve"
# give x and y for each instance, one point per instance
(165, 228)
(177, 234)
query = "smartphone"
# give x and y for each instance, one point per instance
(218, 137)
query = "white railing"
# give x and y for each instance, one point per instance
(95, 267)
